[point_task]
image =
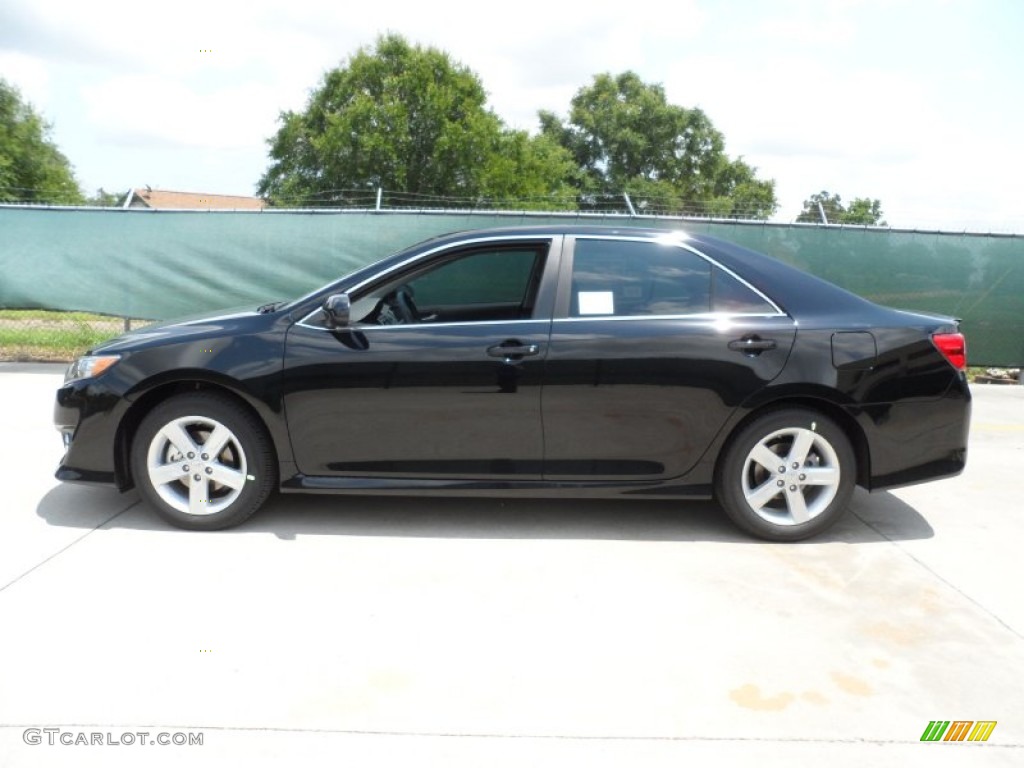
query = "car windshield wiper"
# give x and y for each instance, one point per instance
(269, 307)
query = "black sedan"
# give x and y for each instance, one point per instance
(583, 361)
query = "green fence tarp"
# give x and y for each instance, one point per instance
(161, 264)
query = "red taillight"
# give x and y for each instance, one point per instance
(953, 346)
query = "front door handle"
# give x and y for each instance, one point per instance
(513, 350)
(752, 345)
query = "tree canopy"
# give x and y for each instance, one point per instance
(404, 118)
(32, 169)
(861, 210)
(410, 120)
(625, 136)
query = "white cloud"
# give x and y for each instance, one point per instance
(142, 109)
(29, 74)
(818, 31)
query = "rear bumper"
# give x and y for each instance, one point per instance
(914, 442)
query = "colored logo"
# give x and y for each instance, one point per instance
(959, 730)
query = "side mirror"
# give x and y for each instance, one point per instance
(336, 310)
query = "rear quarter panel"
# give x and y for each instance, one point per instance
(905, 405)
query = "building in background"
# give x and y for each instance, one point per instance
(164, 199)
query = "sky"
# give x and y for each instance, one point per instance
(914, 102)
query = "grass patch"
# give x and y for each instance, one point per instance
(37, 334)
(51, 315)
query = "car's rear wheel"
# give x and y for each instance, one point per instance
(787, 475)
(203, 461)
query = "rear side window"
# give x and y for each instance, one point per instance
(624, 278)
(620, 278)
(730, 295)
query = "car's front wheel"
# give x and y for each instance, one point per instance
(787, 475)
(203, 461)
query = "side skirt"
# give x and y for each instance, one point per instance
(526, 488)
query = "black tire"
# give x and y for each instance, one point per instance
(786, 502)
(197, 490)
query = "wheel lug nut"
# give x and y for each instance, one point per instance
(802, 478)
(796, 465)
(185, 469)
(205, 457)
(191, 455)
(198, 477)
(782, 470)
(209, 470)
(781, 483)
(792, 488)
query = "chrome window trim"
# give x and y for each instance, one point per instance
(678, 239)
(707, 316)
(304, 324)
(702, 316)
(405, 326)
(675, 239)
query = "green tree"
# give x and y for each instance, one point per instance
(625, 136)
(32, 169)
(104, 199)
(530, 172)
(864, 210)
(410, 120)
(861, 210)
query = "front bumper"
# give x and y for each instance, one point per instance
(85, 415)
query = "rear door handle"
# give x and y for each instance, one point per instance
(752, 345)
(513, 350)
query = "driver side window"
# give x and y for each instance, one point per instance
(487, 283)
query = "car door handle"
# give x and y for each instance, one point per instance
(513, 350)
(752, 345)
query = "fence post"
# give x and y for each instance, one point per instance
(629, 204)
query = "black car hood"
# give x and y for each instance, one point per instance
(202, 324)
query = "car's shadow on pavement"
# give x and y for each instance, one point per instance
(872, 517)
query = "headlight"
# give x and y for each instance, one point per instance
(89, 366)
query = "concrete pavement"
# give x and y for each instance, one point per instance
(492, 633)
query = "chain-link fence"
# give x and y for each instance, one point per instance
(47, 335)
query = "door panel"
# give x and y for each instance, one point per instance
(416, 401)
(636, 399)
(440, 374)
